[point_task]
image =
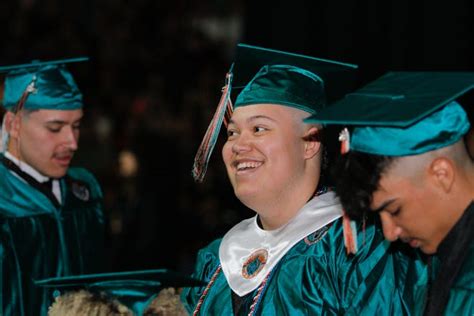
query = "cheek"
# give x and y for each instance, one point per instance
(226, 153)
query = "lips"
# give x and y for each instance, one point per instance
(63, 160)
(414, 243)
(245, 166)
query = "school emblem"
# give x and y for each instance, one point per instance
(254, 263)
(81, 191)
(316, 236)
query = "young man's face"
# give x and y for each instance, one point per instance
(411, 209)
(47, 140)
(264, 151)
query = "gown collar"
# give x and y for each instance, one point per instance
(248, 253)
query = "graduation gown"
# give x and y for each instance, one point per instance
(316, 277)
(452, 291)
(40, 238)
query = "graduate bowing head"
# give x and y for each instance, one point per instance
(403, 153)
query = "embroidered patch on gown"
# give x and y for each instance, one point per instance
(316, 236)
(254, 263)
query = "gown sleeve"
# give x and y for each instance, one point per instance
(207, 262)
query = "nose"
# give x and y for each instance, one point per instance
(391, 230)
(71, 138)
(241, 144)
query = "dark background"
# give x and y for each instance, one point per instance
(154, 78)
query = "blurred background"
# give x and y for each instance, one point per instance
(154, 78)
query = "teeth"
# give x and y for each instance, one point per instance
(248, 165)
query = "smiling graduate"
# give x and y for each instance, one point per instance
(291, 257)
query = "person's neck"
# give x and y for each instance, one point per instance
(26, 167)
(280, 209)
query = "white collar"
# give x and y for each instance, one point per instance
(26, 168)
(56, 188)
(246, 242)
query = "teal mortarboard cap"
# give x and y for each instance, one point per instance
(402, 113)
(41, 85)
(267, 76)
(263, 75)
(135, 289)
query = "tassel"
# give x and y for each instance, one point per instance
(5, 136)
(204, 152)
(18, 107)
(350, 234)
(29, 89)
(345, 139)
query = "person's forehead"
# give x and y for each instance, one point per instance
(397, 181)
(270, 110)
(46, 115)
(390, 186)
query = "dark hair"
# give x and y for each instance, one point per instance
(322, 136)
(356, 177)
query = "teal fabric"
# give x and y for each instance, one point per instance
(55, 88)
(440, 129)
(320, 279)
(284, 85)
(397, 99)
(338, 77)
(39, 240)
(135, 289)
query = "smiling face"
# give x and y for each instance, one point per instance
(414, 204)
(265, 154)
(46, 139)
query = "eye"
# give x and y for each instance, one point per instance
(396, 212)
(259, 129)
(76, 126)
(54, 129)
(231, 133)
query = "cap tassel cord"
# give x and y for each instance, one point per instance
(19, 106)
(345, 139)
(29, 89)
(5, 135)
(204, 152)
(350, 234)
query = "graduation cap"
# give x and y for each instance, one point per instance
(134, 289)
(402, 113)
(41, 85)
(267, 76)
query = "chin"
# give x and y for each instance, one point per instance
(57, 173)
(247, 197)
(429, 249)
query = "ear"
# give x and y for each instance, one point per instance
(12, 124)
(312, 142)
(442, 171)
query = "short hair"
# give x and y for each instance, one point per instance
(167, 302)
(356, 177)
(87, 303)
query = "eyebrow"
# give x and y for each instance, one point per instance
(383, 206)
(62, 122)
(253, 118)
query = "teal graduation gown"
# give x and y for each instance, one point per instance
(41, 239)
(317, 277)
